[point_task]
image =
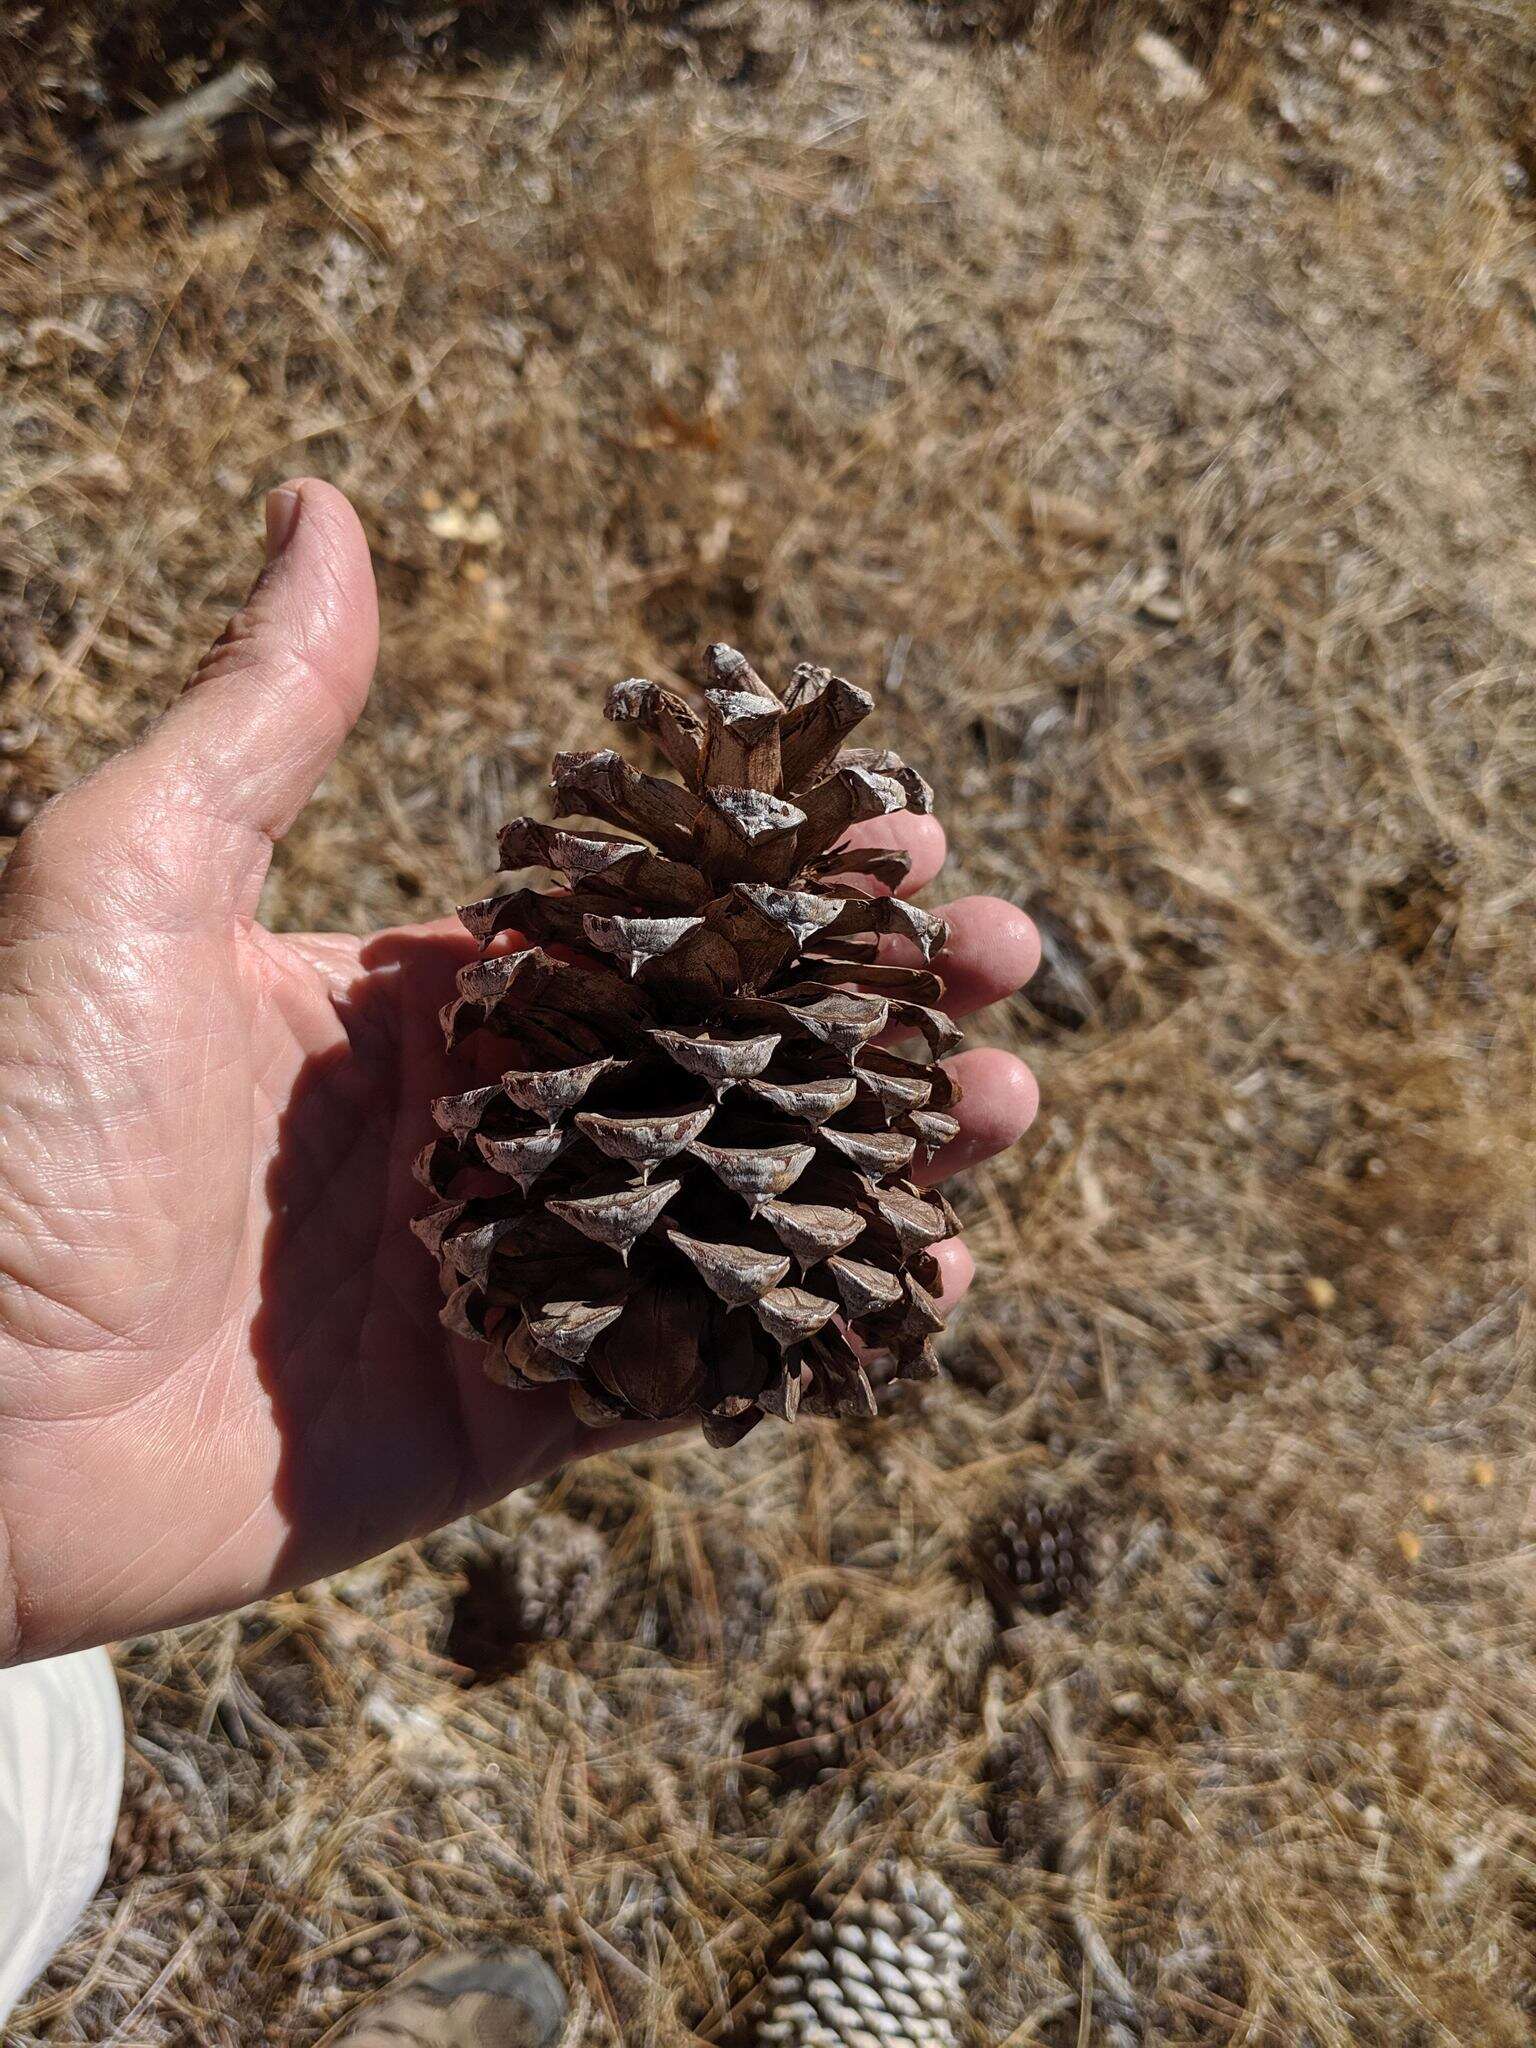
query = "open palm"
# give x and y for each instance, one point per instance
(221, 1365)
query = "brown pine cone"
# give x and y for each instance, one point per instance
(818, 1723)
(1018, 1782)
(550, 1584)
(690, 1190)
(1038, 1557)
(152, 1831)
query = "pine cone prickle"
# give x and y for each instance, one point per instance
(691, 1189)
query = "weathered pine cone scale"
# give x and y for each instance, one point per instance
(691, 1188)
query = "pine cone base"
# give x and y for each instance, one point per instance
(694, 1186)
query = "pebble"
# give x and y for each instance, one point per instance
(18, 807)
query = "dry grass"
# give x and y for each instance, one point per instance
(1172, 462)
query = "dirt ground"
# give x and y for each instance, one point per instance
(1152, 422)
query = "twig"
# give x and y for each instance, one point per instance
(171, 139)
(148, 1996)
(1029, 2029)
(176, 135)
(1073, 1773)
(626, 1986)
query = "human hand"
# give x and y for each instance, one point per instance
(221, 1366)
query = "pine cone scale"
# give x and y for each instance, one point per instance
(699, 1117)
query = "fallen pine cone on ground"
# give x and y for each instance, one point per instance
(821, 1722)
(1038, 1556)
(883, 1967)
(549, 1584)
(690, 1188)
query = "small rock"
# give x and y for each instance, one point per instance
(1177, 78)
(1071, 517)
(475, 527)
(18, 807)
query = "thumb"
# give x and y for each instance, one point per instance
(183, 824)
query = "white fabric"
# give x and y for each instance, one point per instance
(61, 1782)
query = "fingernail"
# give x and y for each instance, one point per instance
(282, 517)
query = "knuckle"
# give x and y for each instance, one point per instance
(239, 651)
(271, 661)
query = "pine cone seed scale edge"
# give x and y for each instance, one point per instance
(691, 1190)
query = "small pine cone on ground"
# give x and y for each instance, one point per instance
(1019, 1788)
(746, 1589)
(1038, 1556)
(691, 1189)
(819, 1723)
(557, 1578)
(288, 1687)
(153, 1831)
(549, 1584)
(885, 1967)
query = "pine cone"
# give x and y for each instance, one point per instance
(551, 1584)
(1038, 1558)
(690, 1189)
(818, 1724)
(558, 1578)
(153, 1832)
(887, 1966)
(289, 1689)
(1018, 1780)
